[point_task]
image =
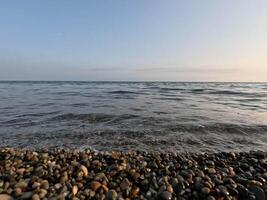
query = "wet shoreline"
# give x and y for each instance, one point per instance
(72, 174)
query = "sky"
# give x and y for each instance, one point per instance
(140, 40)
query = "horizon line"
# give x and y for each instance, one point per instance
(133, 81)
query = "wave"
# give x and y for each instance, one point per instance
(92, 117)
(228, 92)
(96, 117)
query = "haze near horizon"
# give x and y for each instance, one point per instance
(133, 40)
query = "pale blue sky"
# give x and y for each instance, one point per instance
(169, 40)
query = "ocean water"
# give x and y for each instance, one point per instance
(145, 116)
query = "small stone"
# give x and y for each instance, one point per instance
(57, 186)
(95, 185)
(111, 195)
(45, 184)
(18, 192)
(35, 197)
(42, 193)
(170, 189)
(96, 162)
(136, 176)
(166, 195)
(26, 195)
(211, 198)
(135, 192)
(64, 178)
(35, 185)
(1, 183)
(205, 190)
(223, 190)
(212, 171)
(253, 182)
(84, 170)
(74, 190)
(148, 194)
(125, 184)
(21, 171)
(5, 197)
(258, 192)
(105, 188)
(21, 184)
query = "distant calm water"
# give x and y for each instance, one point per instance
(141, 116)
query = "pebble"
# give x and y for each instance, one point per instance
(95, 185)
(166, 195)
(170, 189)
(26, 195)
(205, 190)
(35, 185)
(74, 190)
(18, 192)
(258, 192)
(111, 195)
(45, 184)
(135, 192)
(5, 197)
(84, 170)
(125, 184)
(35, 197)
(42, 193)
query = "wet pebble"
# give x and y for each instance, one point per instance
(166, 195)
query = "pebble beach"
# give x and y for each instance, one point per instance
(71, 174)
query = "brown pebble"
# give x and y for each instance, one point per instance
(5, 197)
(111, 195)
(18, 192)
(35, 185)
(211, 198)
(84, 170)
(95, 185)
(136, 176)
(42, 193)
(74, 190)
(105, 188)
(135, 192)
(205, 190)
(35, 197)
(211, 170)
(45, 184)
(21, 171)
(125, 184)
(96, 162)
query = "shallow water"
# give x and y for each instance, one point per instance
(145, 116)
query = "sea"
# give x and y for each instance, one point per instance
(143, 116)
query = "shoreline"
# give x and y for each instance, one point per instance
(71, 174)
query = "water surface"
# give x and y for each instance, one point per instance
(145, 116)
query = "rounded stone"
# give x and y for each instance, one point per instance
(18, 192)
(95, 185)
(166, 195)
(125, 184)
(205, 190)
(135, 192)
(111, 195)
(5, 197)
(84, 170)
(35, 197)
(258, 192)
(170, 189)
(74, 190)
